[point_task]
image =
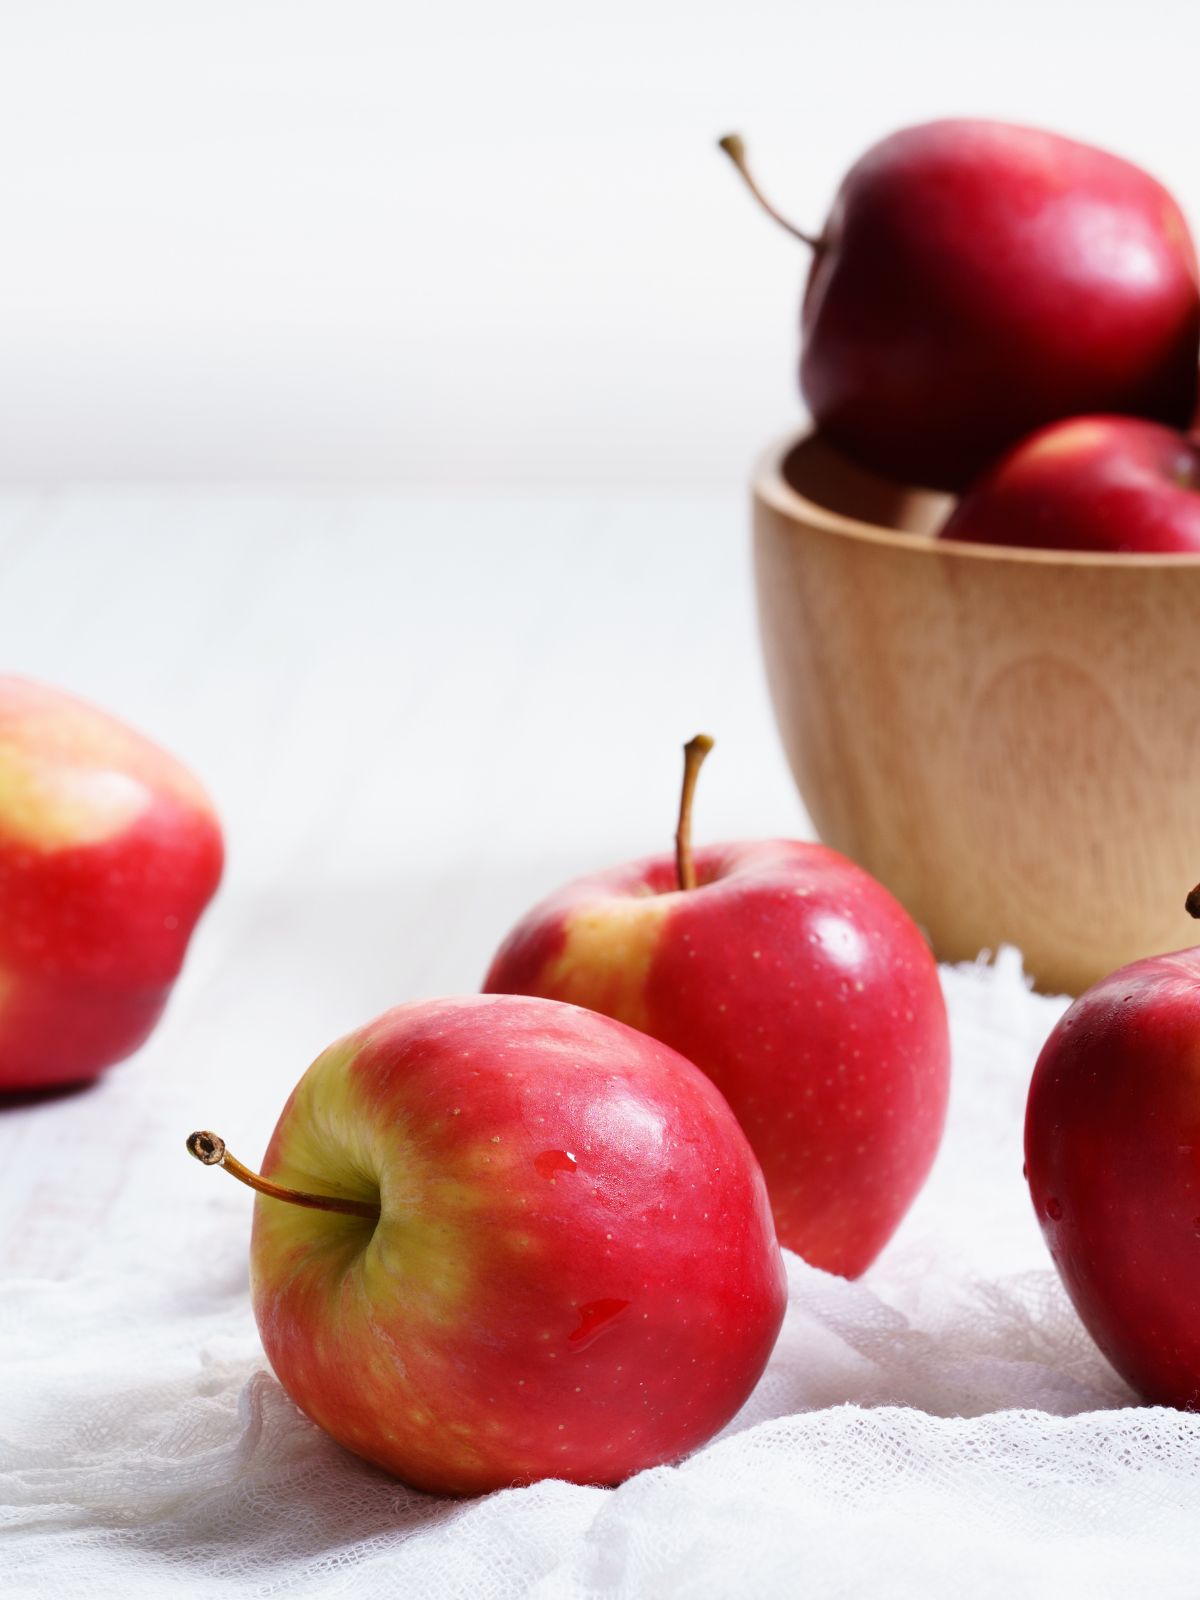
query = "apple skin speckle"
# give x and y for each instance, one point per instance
(514, 1290)
(786, 963)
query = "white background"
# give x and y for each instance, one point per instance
(468, 242)
(480, 266)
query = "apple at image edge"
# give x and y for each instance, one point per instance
(801, 987)
(109, 852)
(574, 1273)
(1112, 1157)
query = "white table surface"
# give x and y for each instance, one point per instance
(418, 713)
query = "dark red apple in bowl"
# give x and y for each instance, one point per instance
(1112, 1155)
(1091, 483)
(109, 852)
(976, 280)
(501, 1239)
(803, 990)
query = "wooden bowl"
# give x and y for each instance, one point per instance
(1008, 739)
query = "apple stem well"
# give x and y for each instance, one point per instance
(694, 752)
(209, 1148)
(735, 149)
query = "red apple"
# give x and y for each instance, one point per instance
(798, 985)
(561, 1264)
(1092, 483)
(109, 851)
(1112, 1155)
(975, 281)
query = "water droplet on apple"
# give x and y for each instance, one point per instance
(549, 1163)
(594, 1317)
(1053, 1208)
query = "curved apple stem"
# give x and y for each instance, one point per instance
(694, 752)
(209, 1148)
(735, 149)
(1192, 904)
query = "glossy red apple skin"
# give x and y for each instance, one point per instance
(1112, 1155)
(801, 988)
(109, 851)
(574, 1275)
(1113, 484)
(976, 280)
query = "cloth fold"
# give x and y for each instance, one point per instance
(943, 1424)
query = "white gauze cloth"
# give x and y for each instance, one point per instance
(942, 1426)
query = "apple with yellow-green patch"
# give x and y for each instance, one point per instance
(109, 852)
(798, 984)
(500, 1239)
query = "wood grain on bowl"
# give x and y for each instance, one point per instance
(1008, 739)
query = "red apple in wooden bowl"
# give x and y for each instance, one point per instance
(1007, 738)
(975, 280)
(1090, 483)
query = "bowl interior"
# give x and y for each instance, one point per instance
(824, 479)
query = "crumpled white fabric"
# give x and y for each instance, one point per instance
(943, 1426)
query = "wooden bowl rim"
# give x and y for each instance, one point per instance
(773, 489)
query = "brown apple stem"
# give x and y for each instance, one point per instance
(736, 151)
(1192, 904)
(210, 1149)
(694, 752)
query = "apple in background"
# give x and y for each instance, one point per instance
(1091, 483)
(1112, 1155)
(976, 280)
(109, 851)
(802, 989)
(549, 1251)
